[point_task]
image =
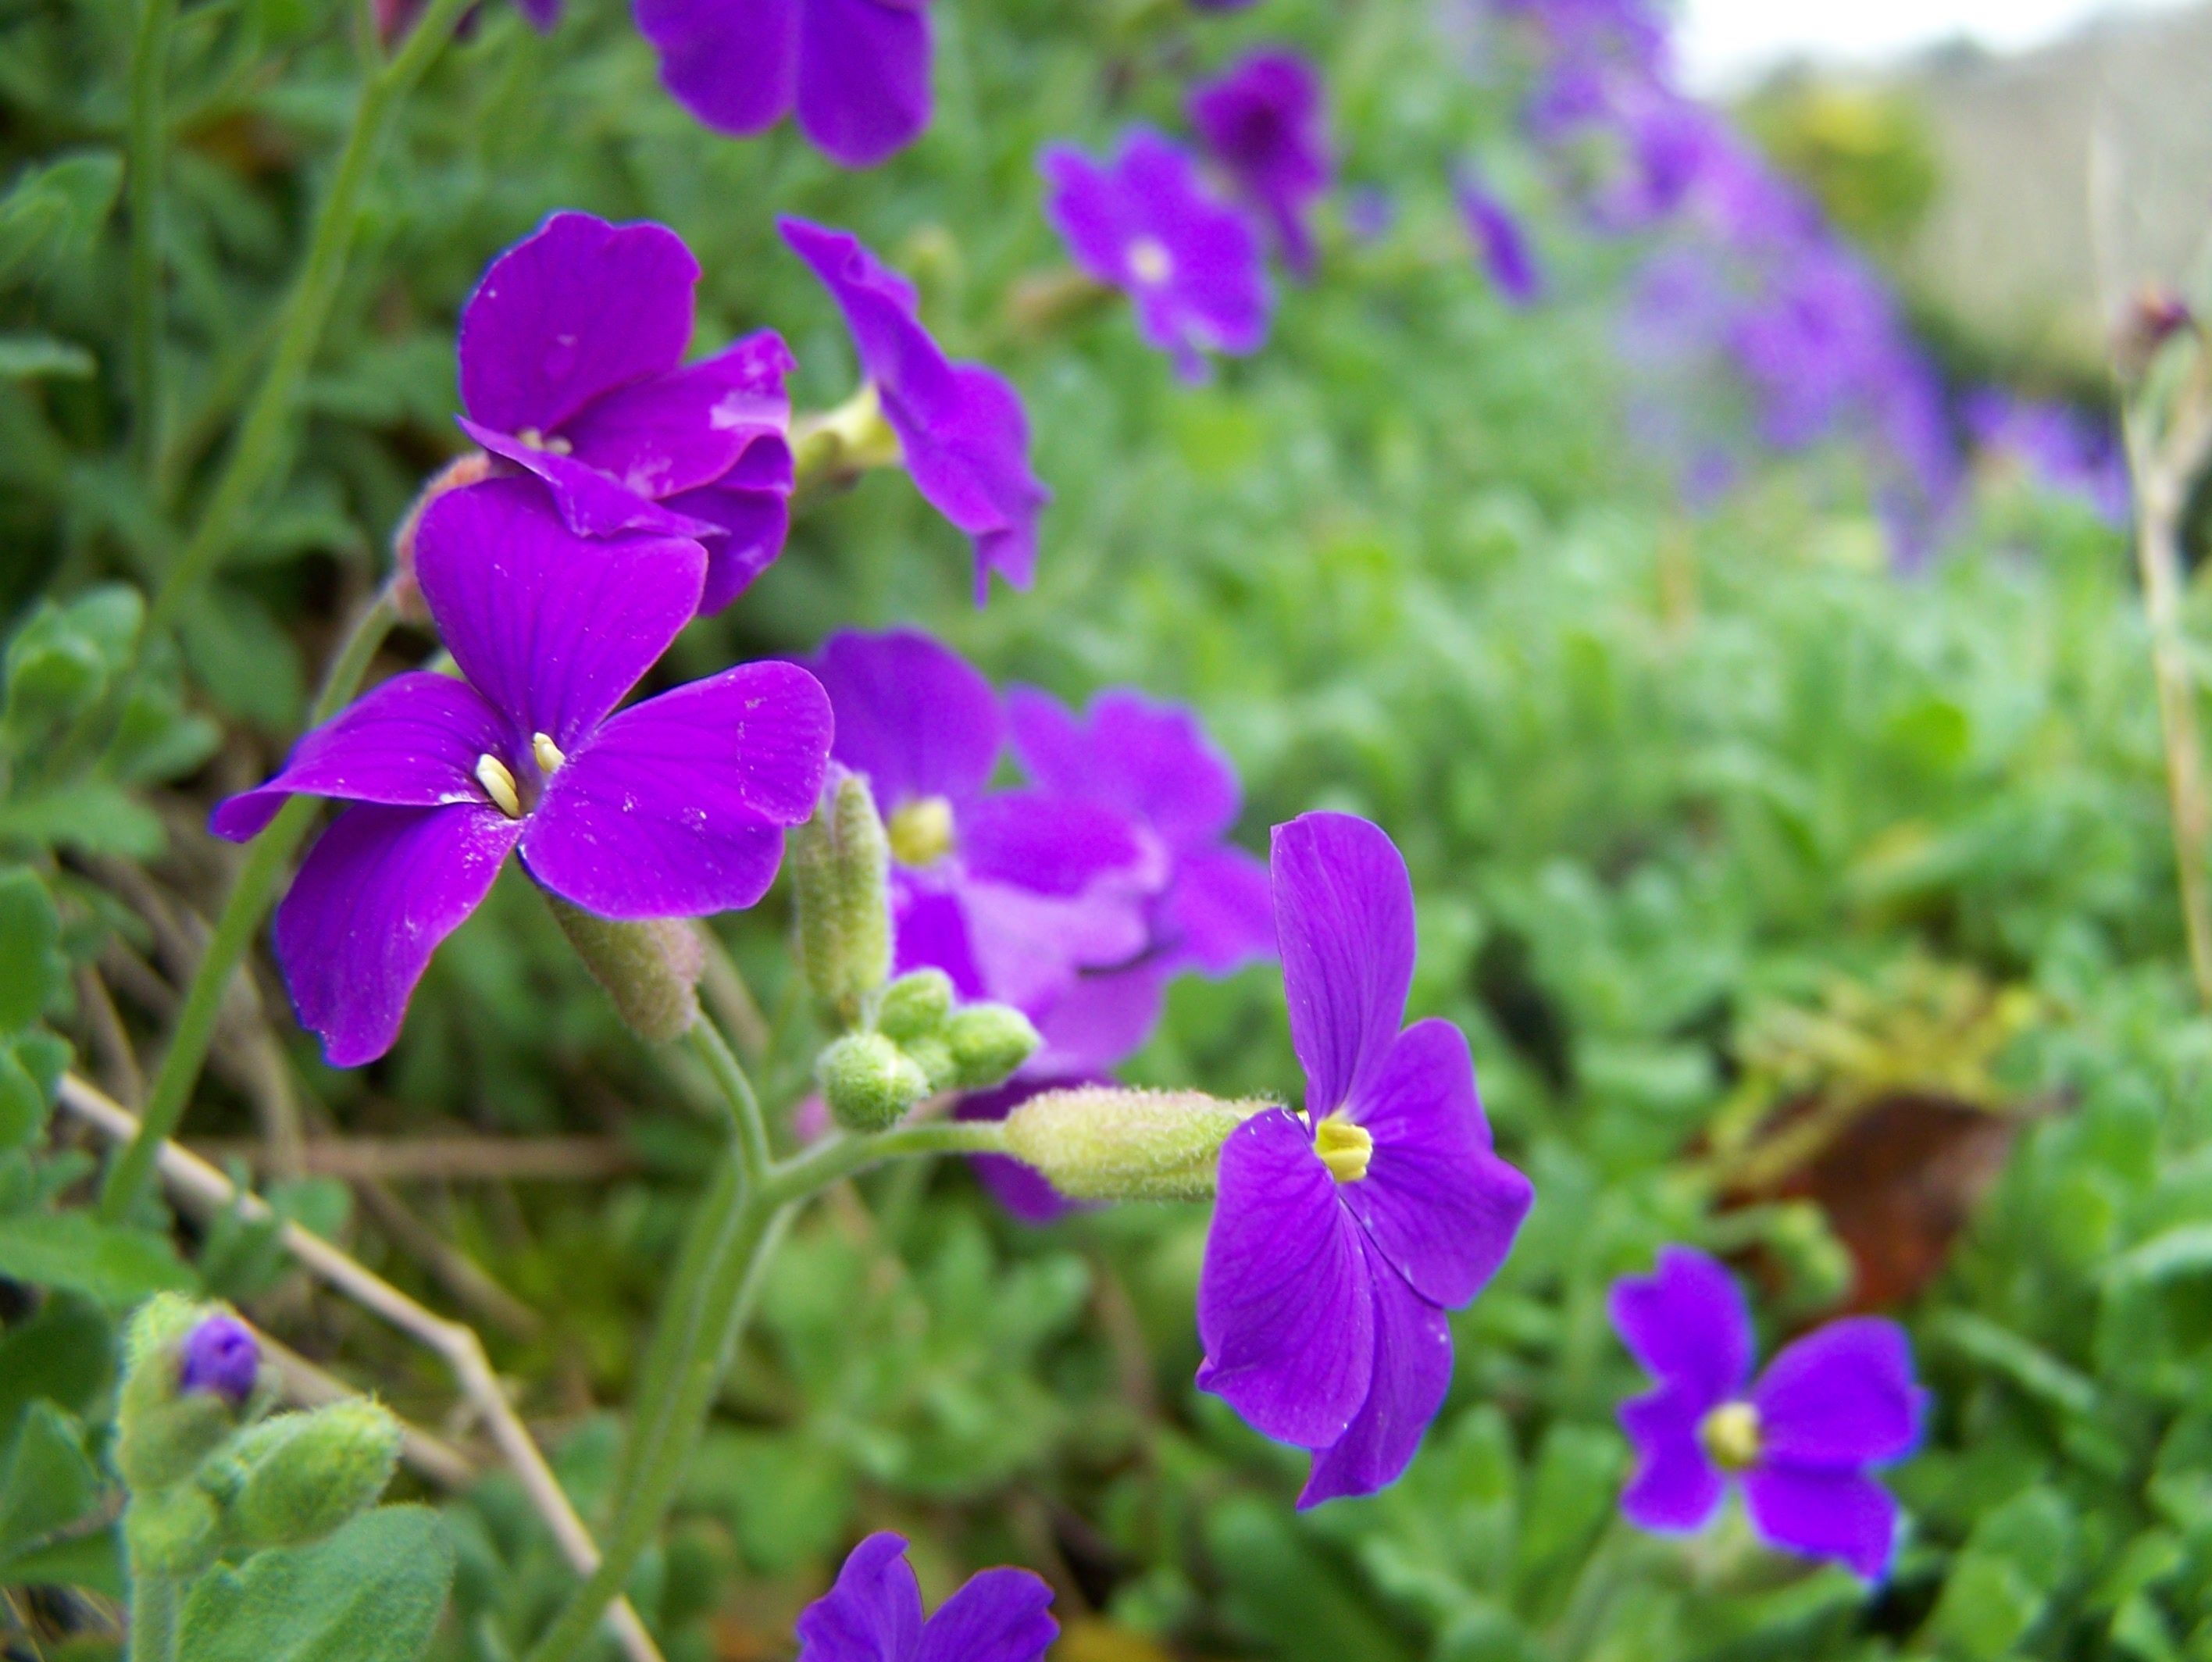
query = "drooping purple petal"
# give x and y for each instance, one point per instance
(1028, 949)
(1344, 923)
(873, 1612)
(1219, 913)
(381, 887)
(574, 310)
(591, 503)
(1499, 238)
(1101, 1018)
(863, 76)
(750, 506)
(1440, 1208)
(911, 715)
(676, 432)
(1843, 1395)
(412, 742)
(1286, 1307)
(1264, 122)
(676, 808)
(1000, 1615)
(1825, 1513)
(552, 628)
(734, 67)
(1675, 1487)
(1687, 1324)
(1149, 759)
(1412, 1370)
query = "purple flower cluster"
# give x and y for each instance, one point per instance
(874, 1614)
(2055, 445)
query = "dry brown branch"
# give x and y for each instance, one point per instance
(444, 1159)
(206, 1190)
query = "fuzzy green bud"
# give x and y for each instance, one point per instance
(649, 969)
(1105, 1143)
(162, 1431)
(175, 1532)
(988, 1043)
(841, 863)
(868, 1081)
(303, 1474)
(915, 1005)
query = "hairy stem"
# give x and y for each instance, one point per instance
(153, 1616)
(150, 145)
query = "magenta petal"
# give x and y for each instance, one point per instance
(591, 503)
(413, 742)
(1675, 1487)
(1412, 1371)
(1055, 846)
(551, 627)
(1344, 922)
(1842, 1396)
(873, 1613)
(1000, 1615)
(1825, 1513)
(931, 929)
(1028, 948)
(1219, 913)
(574, 310)
(687, 429)
(676, 808)
(863, 77)
(1100, 1019)
(753, 523)
(380, 889)
(1149, 759)
(1286, 1307)
(1438, 1205)
(911, 715)
(1687, 1324)
(734, 67)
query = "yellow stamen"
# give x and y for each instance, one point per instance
(1344, 1148)
(547, 752)
(1150, 262)
(499, 785)
(535, 439)
(921, 831)
(1731, 1436)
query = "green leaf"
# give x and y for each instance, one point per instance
(26, 357)
(74, 1252)
(65, 1355)
(50, 1483)
(90, 815)
(92, 1560)
(31, 967)
(2186, 1250)
(370, 1593)
(1278, 1587)
(53, 212)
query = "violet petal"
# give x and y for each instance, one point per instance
(1001, 1615)
(734, 67)
(1842, 1396)
(1687, 1323)
(1676, 1487)
(1412, 1370)
(872, 1613)
(1344, 922)
(1824, 1513)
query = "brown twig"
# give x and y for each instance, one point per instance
(444, 1159)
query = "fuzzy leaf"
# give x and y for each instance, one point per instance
(74, 1252)
(370, 1593)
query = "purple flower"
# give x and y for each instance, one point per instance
(395, 17)
(1012, 894)
(1799, 1440)
(2055, 445)
(1369, 212)
(857, 71)
(1342, 1236)
(1021, 1190)
(1499, 238)
(673, 808)
(1146, 224)
(961, 429)
(874, 1614)
(219, 1355)
(1265, 123)
(1153, 764)
(572, 369)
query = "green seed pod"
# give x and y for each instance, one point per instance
(868, 1081)
(934, 1057)
(915, 1005)
(988, 1042)
(175, 1532)
(306, 1474)
(1104, 1142)
(841, 882)
(162, 1432)
(650, 969)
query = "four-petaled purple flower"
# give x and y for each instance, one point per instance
(219, 1355)
(857, 71)
(874, 1614)
(1342, 1236)
(673, 808)
(1265, 123)
(1499, 238)
(1799, 1440)
(1145, 223)
(962, 435)
(572, 369)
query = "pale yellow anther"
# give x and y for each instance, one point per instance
(547, 752)
(499, 785)
(1731, 1436)
(921, 831)
(1150, 263)
(1344, 1148)
(535, 439)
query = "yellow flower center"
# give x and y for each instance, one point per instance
(499, 785)
(1731, 1436)
(921, 831)
(555, 445)
(547, 752)
(1344, 1148)
(1150, 263)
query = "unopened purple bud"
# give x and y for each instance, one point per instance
(219, 1355)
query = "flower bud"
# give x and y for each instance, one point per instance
(306, 1474)
(988, 1043)
(219, 1355)
(840, 879)
(868, 1081)
(650, 969)
(176, 1531)
(1105, 1143)
(469, 468)
(2153, 317)
(164, 1430)
(915, 1005)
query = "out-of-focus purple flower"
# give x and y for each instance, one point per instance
(962, 432)
(856, 72)
(1499, 238)
(1220, 5)
(1013, 893)
(1633, 32)
(572, 369)
(874, 1614)
(1369, 212)
(1266, 123)
(220, 1357)
(395, 17)
(1021, 1190)
(2054, 445)
(673, 808)
(1145, 223)
(1342, 1236)
(1799, 1440)
(1152, 763)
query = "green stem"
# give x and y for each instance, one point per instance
(255, 452)
(149, 84)
(243, 908)
(153, 1618)
(746, 1120)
